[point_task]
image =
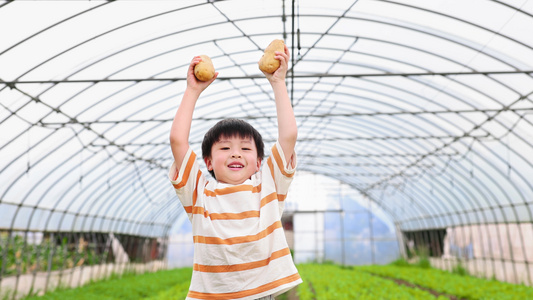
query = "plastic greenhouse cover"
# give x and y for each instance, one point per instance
(424, 107)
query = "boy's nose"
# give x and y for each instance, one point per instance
(236, 155)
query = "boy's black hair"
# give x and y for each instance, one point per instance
(231, 128)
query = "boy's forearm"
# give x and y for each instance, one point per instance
(287, 127)
(181, 126)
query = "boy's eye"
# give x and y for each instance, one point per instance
(225, 148)
(246, 149)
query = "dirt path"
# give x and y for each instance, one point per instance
(293, 295)
(416, 286)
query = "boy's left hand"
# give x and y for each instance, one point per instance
(281, 72)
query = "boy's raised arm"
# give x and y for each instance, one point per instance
(181, 126)
(287, 127)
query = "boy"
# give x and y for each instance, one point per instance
(240, 250)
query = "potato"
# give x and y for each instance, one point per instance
(204, 70)
(268, 63)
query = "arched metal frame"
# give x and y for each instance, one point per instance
(426, 109)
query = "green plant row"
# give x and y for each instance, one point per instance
(21, 258)
(445, 282)
(162, 285)
(322, 282)
(325, 282)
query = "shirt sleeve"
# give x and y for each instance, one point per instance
(187, 181)
(280, 172)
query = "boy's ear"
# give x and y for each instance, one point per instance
(208, 164)
(259, 164)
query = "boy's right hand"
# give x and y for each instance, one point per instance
(192, 82)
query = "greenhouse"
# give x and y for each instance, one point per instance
(414, 175)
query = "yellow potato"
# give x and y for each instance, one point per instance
(204, 70)
(268, 63)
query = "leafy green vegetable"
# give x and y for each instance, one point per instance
(455, 284)
(167, 284)
(326, 282)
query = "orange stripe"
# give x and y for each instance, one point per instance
(233, 189)
(186, 173)
(235, 216)
(237, 240)
(269, 199)
(279, 161)
(222, 216)
(198, 210)
(195, 192)
(209, 193)
(250, 292)
(244, 266)
(270, 166)
(272, 197)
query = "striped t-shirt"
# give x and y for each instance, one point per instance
(240, 250)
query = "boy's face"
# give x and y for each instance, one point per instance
(233, 159)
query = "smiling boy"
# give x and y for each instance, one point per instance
(232, 151)
(240, 250)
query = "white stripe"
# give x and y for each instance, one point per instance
(242, 280)
(218, 254)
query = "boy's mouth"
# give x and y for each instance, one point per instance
(235, 166)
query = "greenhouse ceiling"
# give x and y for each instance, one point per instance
(424, 107)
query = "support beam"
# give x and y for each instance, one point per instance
(316, 75)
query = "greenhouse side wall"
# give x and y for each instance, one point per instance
(494, 251)
(37, 262)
